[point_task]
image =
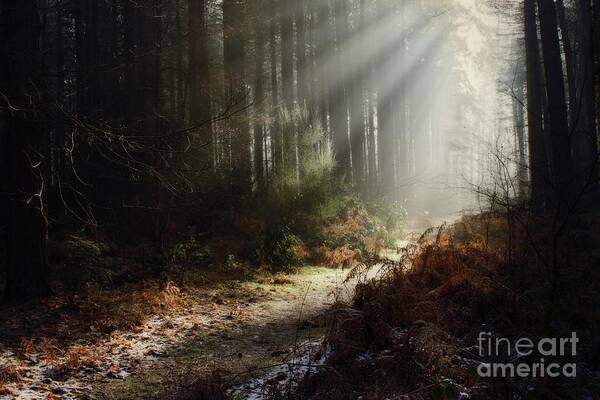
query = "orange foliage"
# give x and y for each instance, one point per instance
(49, 349)
(26, 347)
(339, 230)
(302, 251)
(375, 245)
(420, 310)
(5, 391)
(341, 257)
(129, 308)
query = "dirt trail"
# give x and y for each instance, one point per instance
(237, 328)
(241, 338)
(236, 337)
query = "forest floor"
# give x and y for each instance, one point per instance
(239, 337)
(238, 328)
(146, 337)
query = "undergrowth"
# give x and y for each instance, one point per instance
(412, 332)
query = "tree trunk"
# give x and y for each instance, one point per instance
(311, 67)
(569, 59)
(324, 46)
(519, 127)
(596, 40)
(371, 139)
(148, 69)
(338, 106)
(371, 90)
(287, 52)
(234, 53)
(276, 139)
(385, 121)
(559, 126)
(130, 110)
(259, 101)
(538, 159)
(301, 70)
(113, 75)
(79, 11)
(181, 73)
(357, 115)
(92, 47)
(585, 137)
(26, 276)
(198, 79)
(59, 136)
(400, 106)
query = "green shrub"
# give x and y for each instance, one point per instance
(81, 260)
(306, 195)
(350, 225)
(280, 249)
(305, 179)
(350, 228)
(189, 251)
(78, 249)
(390, 214)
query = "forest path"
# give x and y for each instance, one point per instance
(244, 336)
(234, 327)
(239, 328)
(237, 336)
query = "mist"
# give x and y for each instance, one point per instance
(299, 199)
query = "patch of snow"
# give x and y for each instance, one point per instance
(286, 375)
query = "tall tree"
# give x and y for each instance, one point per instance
(519, 127)
(27, 224)
(338, 105)
(357, 114)
(199, 78)
(569, 58)
(555, 88)
(324, 47)
(80, 16)
(596, 39)
(287, 52)
(402, 136)
(148, 69)
(301, 63)
(59, 136)
(129, 59)
(234, 54)
(385, 118)
(181, 70)
(276, 136)
(259, 92)
(585, 136)
(371, 89)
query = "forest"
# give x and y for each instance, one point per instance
(299, 199)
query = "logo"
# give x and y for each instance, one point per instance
(527, 358)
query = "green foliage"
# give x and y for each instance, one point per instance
(390, 214)
(306, 180)
(83, 260)
(189, 251)
(232, 284)
(280, 249)
(231, 264)
(304, 202)
(352, 225)
(78, 249)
